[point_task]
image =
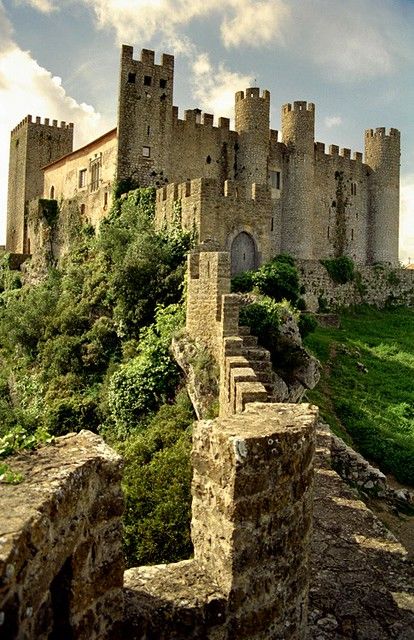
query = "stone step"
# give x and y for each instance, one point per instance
(264, 376)
(255, 354)
(244, 331)
(249, 341)
(260, 365)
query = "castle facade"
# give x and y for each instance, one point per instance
(256, 191)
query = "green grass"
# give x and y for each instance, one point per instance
(366, 392)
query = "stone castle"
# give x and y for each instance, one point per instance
(254, 192)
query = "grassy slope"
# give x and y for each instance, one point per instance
(372, 409)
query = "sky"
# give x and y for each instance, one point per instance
(353, 58)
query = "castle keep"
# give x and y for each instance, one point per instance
(254, 191)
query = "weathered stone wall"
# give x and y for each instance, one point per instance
(218, 212)
(61, 563)
(377, 285)
(252, 509)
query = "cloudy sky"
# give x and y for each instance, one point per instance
(353, 58)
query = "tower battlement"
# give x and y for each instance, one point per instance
(212, 189)
(147, 57)
(28, 120)
(298, 106)
(381, 132)
(253, 92)
(195, 117)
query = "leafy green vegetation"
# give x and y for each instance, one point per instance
(88, 349)
(366, 392)
(278, 279)
(341, 269)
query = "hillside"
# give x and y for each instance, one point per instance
(366, 390)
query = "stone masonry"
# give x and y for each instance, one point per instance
(255, 192)
(61, 562)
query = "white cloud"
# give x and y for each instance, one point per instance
(26, 87)
(44, 6)
(255, 23)
(407, 218)
(332, 121)
(214, 87)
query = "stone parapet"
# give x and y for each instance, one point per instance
(61, 563)
(251, 525)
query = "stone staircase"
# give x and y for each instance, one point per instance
(259, 361)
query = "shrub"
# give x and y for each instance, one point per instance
(341, 270)
(307, 324)
(278, 279)
(242, 282)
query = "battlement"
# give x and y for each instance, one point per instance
(298, 106)
(252, 92)
(335, 152)
(205, 187)
(147, 57)
(380, 132)
(193, 117)
(28, 121)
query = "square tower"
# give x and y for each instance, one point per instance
(32, 146)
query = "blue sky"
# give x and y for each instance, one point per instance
(353, 58)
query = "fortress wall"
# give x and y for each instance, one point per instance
(219, 212)
(341, 204)
(378, 285)
(199, 149)
(61, 563)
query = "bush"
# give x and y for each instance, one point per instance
(278, 279)
(341, 270)
(242, 282)
(307, 324)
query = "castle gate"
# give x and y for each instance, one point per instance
(243, 253)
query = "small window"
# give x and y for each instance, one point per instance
(52, 193)
(272, 224)
(17, 143)
(132, 77)
(148, 130)
(83, 209)
(208, 159)
(328, 233)
(163, 83)
(82, 178)
(147, 81)
(275, 179)
(105, 199)
(146, 152)
(353, 188)
(352, 234)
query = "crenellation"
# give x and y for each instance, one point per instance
(294, 206)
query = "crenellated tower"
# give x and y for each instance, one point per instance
(298, 132)
(33, 144)
(252, 124)
(382, 154)
(144, 116)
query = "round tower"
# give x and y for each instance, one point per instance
(252, 124)
(298, 133)
(382, 154)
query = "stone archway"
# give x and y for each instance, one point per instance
(243, 253)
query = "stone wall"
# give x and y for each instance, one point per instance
(61, 563)
(252, 511)
(378, 285)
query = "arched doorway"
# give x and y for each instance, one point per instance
(243, 253)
